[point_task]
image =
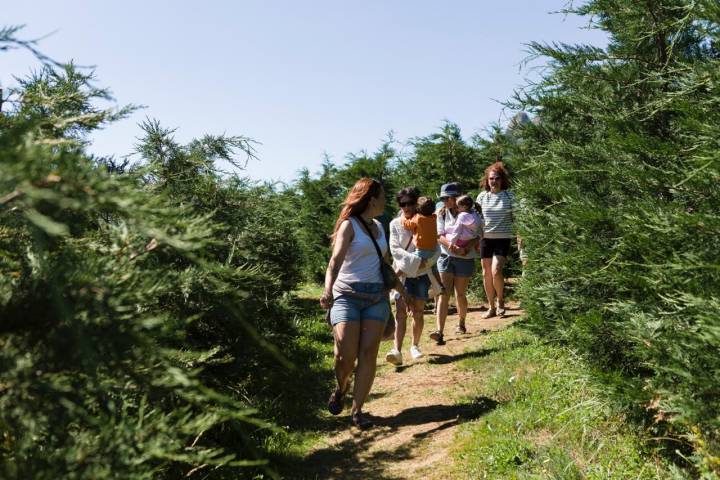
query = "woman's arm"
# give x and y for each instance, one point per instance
(343, 239)
(404, 260)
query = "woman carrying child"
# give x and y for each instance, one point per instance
(456, 263)
(423, 226)
(417, 284)
(468, 224)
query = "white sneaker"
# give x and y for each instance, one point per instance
(415, 352)
(394, 357)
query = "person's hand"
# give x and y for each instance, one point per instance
(326, 300)
(454, 248)
(406, 299)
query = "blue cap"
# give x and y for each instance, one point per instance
(451, 189)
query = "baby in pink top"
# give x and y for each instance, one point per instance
(467, 225)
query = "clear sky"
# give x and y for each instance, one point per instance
(303, 78)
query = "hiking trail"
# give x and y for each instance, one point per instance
(415, 408)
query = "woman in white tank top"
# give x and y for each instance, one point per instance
(355, 293)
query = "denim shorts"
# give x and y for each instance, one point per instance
(425, 254)
(350, 309)
(418, 287)
(460, 267)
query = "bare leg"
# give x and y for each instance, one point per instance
(418, 320)
(499, 280)
(347, 339)
(370, 335)
(461, 284)
(448, 279)
(488, 284)
(400, 323)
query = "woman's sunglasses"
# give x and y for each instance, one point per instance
(406, 204)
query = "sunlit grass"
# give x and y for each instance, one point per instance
(552, 421)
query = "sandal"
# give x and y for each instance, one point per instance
(489, 314)
(501, 310)
(335, 403)
(361, 421)
(438, 337)
(461, 328)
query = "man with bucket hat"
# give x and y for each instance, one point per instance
(456, 264)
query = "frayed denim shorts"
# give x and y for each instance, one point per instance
(460, 267)
(350, 309)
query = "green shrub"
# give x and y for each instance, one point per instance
(619, 182)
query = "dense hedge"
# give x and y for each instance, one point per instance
(142, 306)
(619, 178)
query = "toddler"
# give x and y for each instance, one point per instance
(424, 228)
(467, 225)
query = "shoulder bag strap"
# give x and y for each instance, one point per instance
(377, 249)
(409, 242)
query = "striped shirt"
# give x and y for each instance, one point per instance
(497, 213)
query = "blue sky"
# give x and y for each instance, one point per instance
(302, 78)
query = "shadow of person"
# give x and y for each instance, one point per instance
(441, 359)
(351, 458)
(481, 308)
(450, 414)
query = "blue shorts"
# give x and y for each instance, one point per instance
(460, 267)
(425, 254)
(418, 287)
(351, 309)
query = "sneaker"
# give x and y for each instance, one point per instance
(394, 357)
(415, 352)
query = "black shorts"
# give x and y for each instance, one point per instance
(494, 247)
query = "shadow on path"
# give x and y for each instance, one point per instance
(439, 413)
(441, 359)
(343, 460)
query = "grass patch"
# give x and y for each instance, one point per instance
(552, 419)
(300, 393)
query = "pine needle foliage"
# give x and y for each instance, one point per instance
(122, 291)
(619, 182)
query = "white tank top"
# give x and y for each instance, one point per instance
(361, 262)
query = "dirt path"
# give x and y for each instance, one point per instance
(415, 409)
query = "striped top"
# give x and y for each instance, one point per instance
(497, 213)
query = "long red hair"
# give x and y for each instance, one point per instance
(498, 168)
(357, 200)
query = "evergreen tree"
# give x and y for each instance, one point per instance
(440, 158)
(619, 183)
(136, 328)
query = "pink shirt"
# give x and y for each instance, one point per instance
(466, 227)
